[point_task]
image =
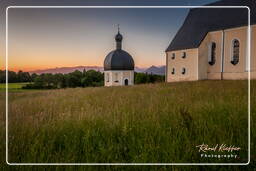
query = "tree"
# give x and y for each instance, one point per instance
(2, 76)
(84, 72)
(12, 77)
(92, 78)
(39, 83)
(48, 79)
(23, 77)
(73, 79)
(33, 76)
(141, 78)
(59, 81)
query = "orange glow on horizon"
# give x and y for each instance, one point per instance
(34, 68)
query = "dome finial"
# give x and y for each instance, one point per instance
(118, 38)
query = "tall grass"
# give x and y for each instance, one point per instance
(156, 123)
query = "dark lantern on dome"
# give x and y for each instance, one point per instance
(118, 39)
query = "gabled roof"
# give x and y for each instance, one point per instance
(200, 21)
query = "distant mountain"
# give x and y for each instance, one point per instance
(137, 69)
(65, 70)
(156, 70)
(153, 69)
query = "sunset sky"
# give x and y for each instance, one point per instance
(49, 38)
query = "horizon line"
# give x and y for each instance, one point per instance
(76, 66)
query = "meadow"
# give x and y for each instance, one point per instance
(150, 123)
(12, 86)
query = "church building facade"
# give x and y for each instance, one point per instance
(213, 43)
(118, 66)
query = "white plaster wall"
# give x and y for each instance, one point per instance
(119, 79)
(205, 71)
(190, 63)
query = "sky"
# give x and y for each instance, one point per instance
(42, 38)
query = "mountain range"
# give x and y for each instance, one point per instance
(158, 70)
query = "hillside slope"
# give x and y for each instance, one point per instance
(157, 123)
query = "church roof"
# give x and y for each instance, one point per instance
(200, 21)
(118, 60)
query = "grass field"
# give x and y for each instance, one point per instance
(156, 123)
(12, 86)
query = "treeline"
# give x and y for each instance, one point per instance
(77, 78)
(142, 78)
(14, 77)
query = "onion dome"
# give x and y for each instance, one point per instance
(118, 59)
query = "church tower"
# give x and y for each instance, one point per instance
(118, 66)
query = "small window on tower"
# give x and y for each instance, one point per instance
(173, 71)
(184, 55)
(173, 55)
(183, 71)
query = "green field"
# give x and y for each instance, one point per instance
(12, 86)
(153, 123)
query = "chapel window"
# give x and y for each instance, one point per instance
(235, 51)
(212, 53)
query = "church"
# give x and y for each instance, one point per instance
(118, 66)
(213, 43)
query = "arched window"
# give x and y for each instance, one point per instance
(183, 71)
(235, 52)
(173, 71)
(212, 53)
